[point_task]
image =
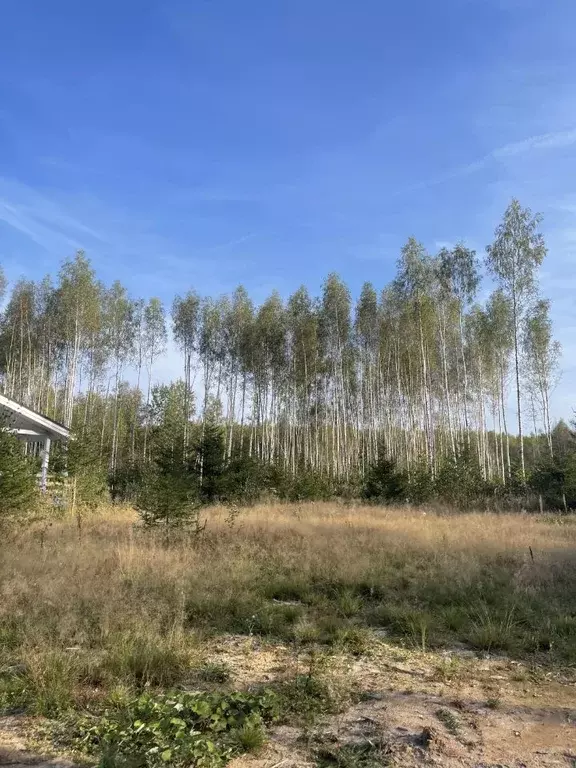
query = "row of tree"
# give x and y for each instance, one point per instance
(420, 373)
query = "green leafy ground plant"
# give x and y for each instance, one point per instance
(178, 729)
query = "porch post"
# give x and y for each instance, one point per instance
(45, 462)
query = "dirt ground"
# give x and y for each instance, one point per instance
(446, 708)
(450, 708)
(15, 749)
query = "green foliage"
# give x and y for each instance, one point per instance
(142, 661)
(355, 640)
(384, 482)
(127, 481)
(493, 629)
(168, 498)
(168, 416)
(43, 685)
(554, 478)
(307, 696)
(179, 729)
(210, 462)
(213, 672)
(459, 481)
(309, 485)
(81, 460)
(169, 492)
(420, 484)
(243, 481)
(18, 487)
(304, 485)
(309, 385)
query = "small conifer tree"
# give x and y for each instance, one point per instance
(18, 487)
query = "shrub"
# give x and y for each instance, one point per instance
(243, 480)
(420, 485)
(18, 487)
(168, 499)
(449, 720)
(126, 481)
(384, 482)
(316, 692)
(81, 459)
(555, 480)
(355, 640)
(459, 480)
(309, 485)
(306, 697)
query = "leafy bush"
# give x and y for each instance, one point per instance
(458, 481)
(127, 480)
(181, 729)
(309, 485)
(420, 485)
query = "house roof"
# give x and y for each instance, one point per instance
(26, 421)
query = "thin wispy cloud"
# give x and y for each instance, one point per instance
(554, 140)
(232, 243)
(41, 219)
(60, 228)
(544, 141)
(27, 224)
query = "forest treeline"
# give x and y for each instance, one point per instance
(405, 393)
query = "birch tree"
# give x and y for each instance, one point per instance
(120, 326)
(459, 277)
(414, 281)
(335, 327)
(367, 333)
(541, 360)
(499, 337)
(186, 325)
(154, 345)
(513, 258)
(78, 309)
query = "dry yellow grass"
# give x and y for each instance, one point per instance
(413, 527)
(120, 608)
(302, 573)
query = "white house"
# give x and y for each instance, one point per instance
(32, 427)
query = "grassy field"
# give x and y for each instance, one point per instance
(115, 610)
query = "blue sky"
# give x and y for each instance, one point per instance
(211, 142)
